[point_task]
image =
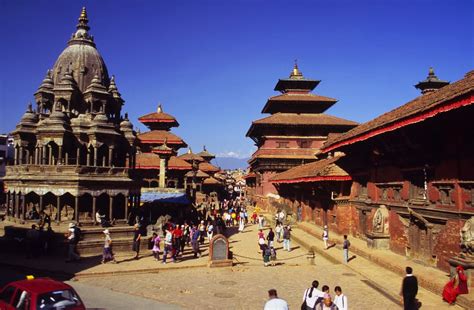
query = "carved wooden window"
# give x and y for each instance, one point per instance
(304, 144)
(282, 144)
(397, 193)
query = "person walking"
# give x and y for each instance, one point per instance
(326, 237)
(340, 300)
(195, 235)
(346, 244)
(270, 238)
(409, 290)
(168, 245)
(279, 231)
(137, 236)
(275, 303)
(286, 238)
(73, 240)
(326, 304)
(266, 254)
(202, 230)
(155, 241)
(261, 239)
(241, 220)
(312, 296)
(210, 232)
(107, 254)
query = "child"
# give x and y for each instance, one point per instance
(156, 246)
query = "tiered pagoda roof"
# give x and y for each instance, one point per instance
(206, 155)
(321, 170)
(159, 120)
(160, 124)
(297, 106)
(152, 161)
(189, 156)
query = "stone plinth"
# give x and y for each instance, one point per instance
(219, 252)
(378, 241)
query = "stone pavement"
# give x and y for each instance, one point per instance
(189, 285)
(371, 262)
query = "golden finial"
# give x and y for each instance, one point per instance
(190, 151)
(160, 108)
(204, 148)
(83, 16)
(431, 72)
(296, 72)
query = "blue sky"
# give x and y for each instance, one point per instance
(213, 64)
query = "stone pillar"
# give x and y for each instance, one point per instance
(50, 157)
(126, 200)
(16, 156)
(44, 158)
(78, 155)
(8, 203)
(111, 152)
(60, 154)
(15, 197)
(94, 201)
(95, 156)
(40, 202)
(20, 155)
(23, 211)
(88, 160)
(103, 161)
(58, 209)
(35, 158)
(162, 172)
(76, 208)
(111, 206)
(28, 159)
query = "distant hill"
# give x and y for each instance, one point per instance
(231, 162)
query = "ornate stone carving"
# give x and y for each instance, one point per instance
(380, 220)
(467, 238)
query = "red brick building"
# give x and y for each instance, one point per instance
(412, 172)
(295, 130)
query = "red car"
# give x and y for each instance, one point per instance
(40, 294)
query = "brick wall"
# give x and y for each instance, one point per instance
(447, 243)
(398, 238)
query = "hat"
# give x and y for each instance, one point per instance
(71, 225)
(325, 226)
(106, 232)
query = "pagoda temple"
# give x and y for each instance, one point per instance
(74, 151)
(157, 164)
(295, 130)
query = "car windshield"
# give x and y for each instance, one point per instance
(56, 300)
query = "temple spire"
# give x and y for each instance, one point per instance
(431, 83)
(296, 74)
(160, 108)
(83, 20)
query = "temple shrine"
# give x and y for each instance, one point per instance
(74, 152)
(403, 182)
(157, 164)
(294, 132)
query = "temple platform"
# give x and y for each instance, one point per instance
(92, 240)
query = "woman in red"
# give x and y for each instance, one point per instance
(457, 285)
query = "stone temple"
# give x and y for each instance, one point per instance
(75, 151)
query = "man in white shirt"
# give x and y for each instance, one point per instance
(275, 303)
(340, 300)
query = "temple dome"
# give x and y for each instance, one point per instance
(81, 58)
